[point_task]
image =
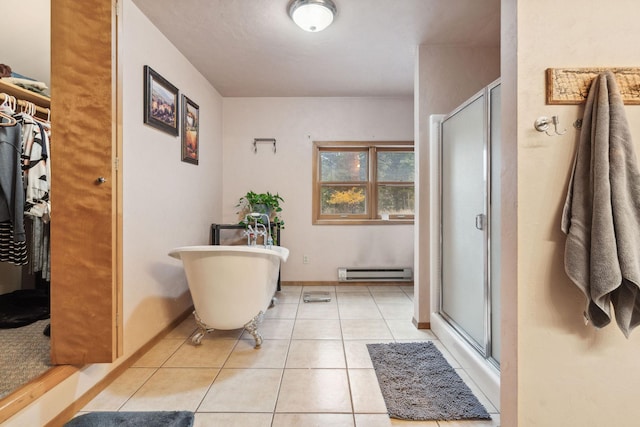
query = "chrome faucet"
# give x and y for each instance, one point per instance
(259, 229)
(251, 234)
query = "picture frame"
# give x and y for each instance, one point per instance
(161, 102)
(190, 130)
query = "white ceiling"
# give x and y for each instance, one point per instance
(252, 47)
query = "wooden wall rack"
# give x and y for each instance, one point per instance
(567, 86)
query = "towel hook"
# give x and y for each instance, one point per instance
(542, 125)
(556, 122)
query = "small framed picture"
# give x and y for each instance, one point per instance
(161, 109)
(190, 130)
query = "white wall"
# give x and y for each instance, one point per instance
(560, 372)
(446, 76)
(31, 57)
(167, 202)
(296, 123)
(26, 38)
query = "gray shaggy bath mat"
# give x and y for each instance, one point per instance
(133, 419)
(418, 384)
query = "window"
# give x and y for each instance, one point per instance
(363, 182)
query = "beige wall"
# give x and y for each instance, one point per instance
(509, 218)
(26, 38)
(167, 203)
(296, 123)
(446, 76)
(567, 374)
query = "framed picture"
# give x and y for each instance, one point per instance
(190, 130)
(161, 109)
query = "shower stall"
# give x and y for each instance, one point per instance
(465, 230)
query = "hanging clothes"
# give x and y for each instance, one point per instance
(38, 247)
(25, 177)
(12, 251)
(12, 234)
(36, 167)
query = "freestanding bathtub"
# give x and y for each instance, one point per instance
(231, 286)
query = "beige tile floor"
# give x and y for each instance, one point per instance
(313, 368)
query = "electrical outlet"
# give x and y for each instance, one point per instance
(305, 259)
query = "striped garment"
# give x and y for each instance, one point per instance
(10, 250)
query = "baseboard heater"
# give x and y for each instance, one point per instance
(389, 274)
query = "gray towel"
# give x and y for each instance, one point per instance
(601, 215)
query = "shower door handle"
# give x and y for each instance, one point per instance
(480, 221)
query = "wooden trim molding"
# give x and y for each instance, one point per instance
(28, 393)
(421, 325)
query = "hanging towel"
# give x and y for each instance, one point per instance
(601, 215)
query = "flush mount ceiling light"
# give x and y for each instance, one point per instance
(312, 15)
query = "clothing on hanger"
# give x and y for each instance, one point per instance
(12, 234)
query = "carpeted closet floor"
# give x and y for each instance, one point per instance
(25, 355)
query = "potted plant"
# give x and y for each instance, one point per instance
(266, 203)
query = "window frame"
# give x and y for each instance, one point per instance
(372, 217)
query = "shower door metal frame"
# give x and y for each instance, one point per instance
(489, 252)
(483, 348)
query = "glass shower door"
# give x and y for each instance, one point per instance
(464, 221)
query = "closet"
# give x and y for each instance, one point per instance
(26, 118)
(86, 298)
(25, 177)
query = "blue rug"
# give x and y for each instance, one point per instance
(133, 419)
(418, 384)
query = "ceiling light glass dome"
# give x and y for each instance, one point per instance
(312, 15)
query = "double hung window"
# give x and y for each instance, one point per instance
(363, 182)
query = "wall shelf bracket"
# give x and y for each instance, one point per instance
(257, 141)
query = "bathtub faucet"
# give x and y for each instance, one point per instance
(259, 229)
(251, 235)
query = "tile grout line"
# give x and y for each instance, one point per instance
(204, 395)
(155, 371)
(284, 367)
(346, 364)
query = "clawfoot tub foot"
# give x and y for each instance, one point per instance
(197, 338)
(274, 300)
(252, 328)
(202, 330)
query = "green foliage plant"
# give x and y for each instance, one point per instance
(261, 202)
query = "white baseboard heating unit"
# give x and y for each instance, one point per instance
(387, 274)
